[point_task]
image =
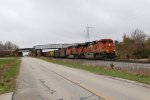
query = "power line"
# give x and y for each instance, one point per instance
(87, 38)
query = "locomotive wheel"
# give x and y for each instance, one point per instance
(112, 56)
(75, 56)
(96, 56)
(81, 56)
(101, 56)
(104, 56)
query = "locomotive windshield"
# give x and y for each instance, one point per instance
(103, 41)
(106, 41)
(110, 41)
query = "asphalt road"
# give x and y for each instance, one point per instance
(41, 80)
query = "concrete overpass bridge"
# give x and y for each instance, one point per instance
(37, 50)
(25, 49)
(53, 46)
(19, 52)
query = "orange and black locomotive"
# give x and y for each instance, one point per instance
(100, 49)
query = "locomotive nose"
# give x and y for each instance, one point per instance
(110, 48)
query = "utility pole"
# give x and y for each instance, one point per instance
(88, 33)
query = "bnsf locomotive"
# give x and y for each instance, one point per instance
(101, 49)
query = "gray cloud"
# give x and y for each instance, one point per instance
(31, 22)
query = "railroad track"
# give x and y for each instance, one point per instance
(117, 63)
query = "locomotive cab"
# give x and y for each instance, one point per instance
(107, 48)
(107, 45)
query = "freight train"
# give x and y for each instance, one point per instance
(101, 49)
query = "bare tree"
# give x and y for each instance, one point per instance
(139, 38)
(15, 47)
(1, 46)
(135, 45)
(8, 46)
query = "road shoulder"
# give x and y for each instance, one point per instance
(6, 96)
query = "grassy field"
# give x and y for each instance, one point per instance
(102, 70)
(4, 61)
(9, 69)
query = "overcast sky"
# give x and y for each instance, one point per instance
(32, 22)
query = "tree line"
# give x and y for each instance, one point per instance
(7, 48)
(134, 46)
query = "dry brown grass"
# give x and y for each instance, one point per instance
(139, 71)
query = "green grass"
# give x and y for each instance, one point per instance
(8, 82)
(5, 61)
(101, 70)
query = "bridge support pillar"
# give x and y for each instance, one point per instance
(30, 53)
(34, 53)
(39, 52)
(18, 54)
